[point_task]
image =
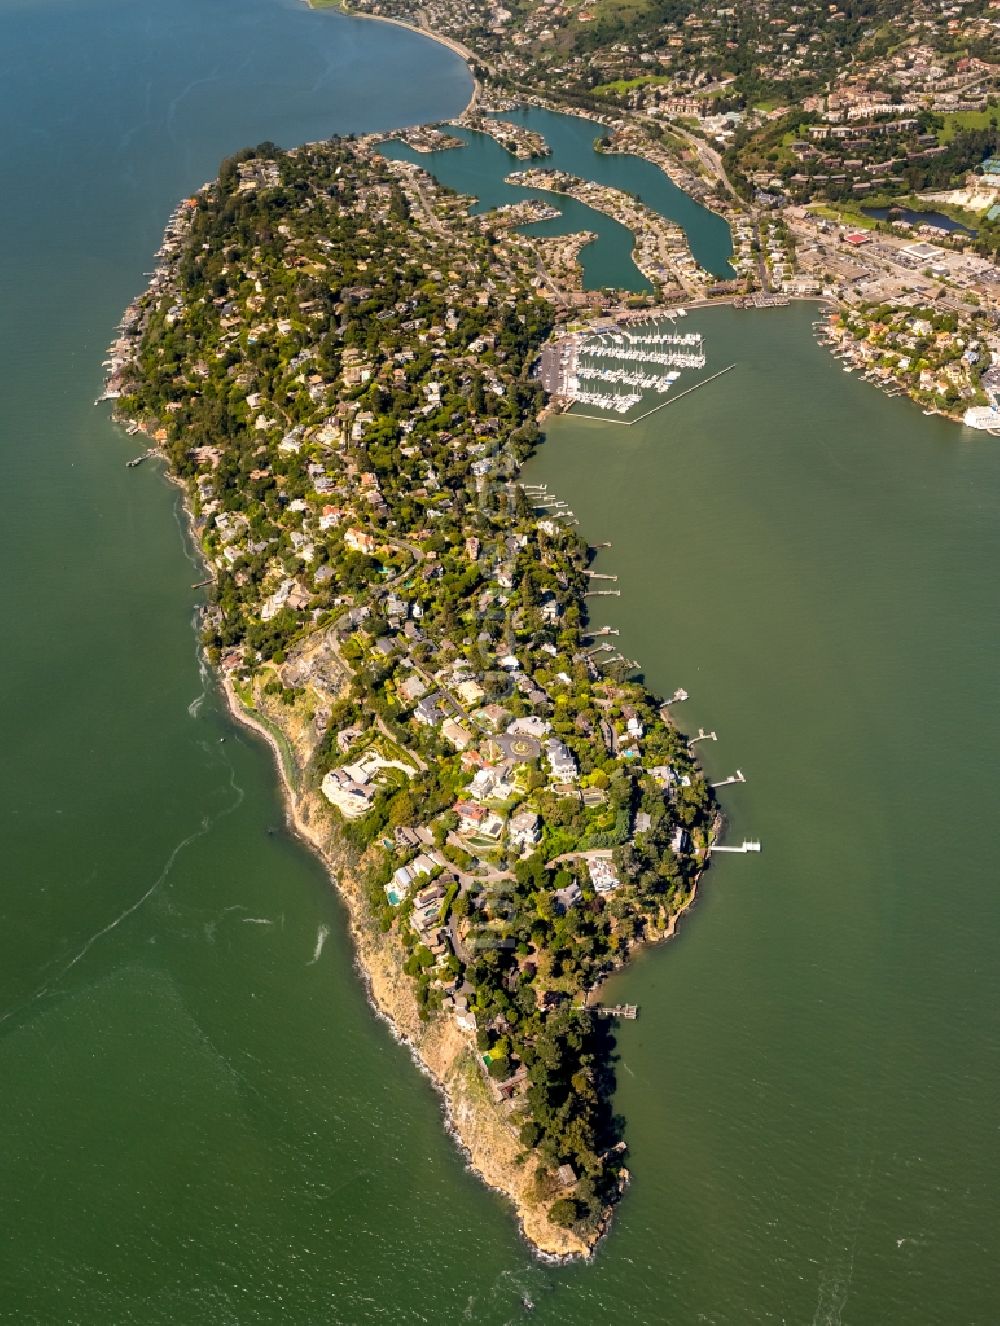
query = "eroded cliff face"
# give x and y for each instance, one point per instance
(445, 1053)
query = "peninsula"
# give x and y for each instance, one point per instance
(335, 361)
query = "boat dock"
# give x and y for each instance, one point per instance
(612, 369)
(605, 419)
(702, 736)
(747, 845)
(628, 1011)
(137, 460)
(737, 777)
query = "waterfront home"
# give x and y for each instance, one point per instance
(352, 799)
(603, 875)
(679, 842)
(982, 416)
(421, 866)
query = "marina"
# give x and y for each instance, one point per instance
(612, 369)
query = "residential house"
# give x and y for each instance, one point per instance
(603, 875)
(561, 760)
(524, 830)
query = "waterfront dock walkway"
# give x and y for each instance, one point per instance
(627, 1011)
(671, 400)
(702, 736)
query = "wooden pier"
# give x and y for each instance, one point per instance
(702, 736)
(737, 777)
(627, 1011)
(137, 460)
(747, 845)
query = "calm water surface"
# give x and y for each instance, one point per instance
(482, 167)
(202, 1122)
(938, 219)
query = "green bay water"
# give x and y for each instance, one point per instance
(812, 1086)
(202, 1121)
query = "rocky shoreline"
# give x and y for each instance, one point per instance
(444, 1054)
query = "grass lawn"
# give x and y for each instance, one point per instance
(965, 120)
(625, 10)
(621, 85)
(845, 216)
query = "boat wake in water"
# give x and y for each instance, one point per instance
(321, 937)
(206, 824)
